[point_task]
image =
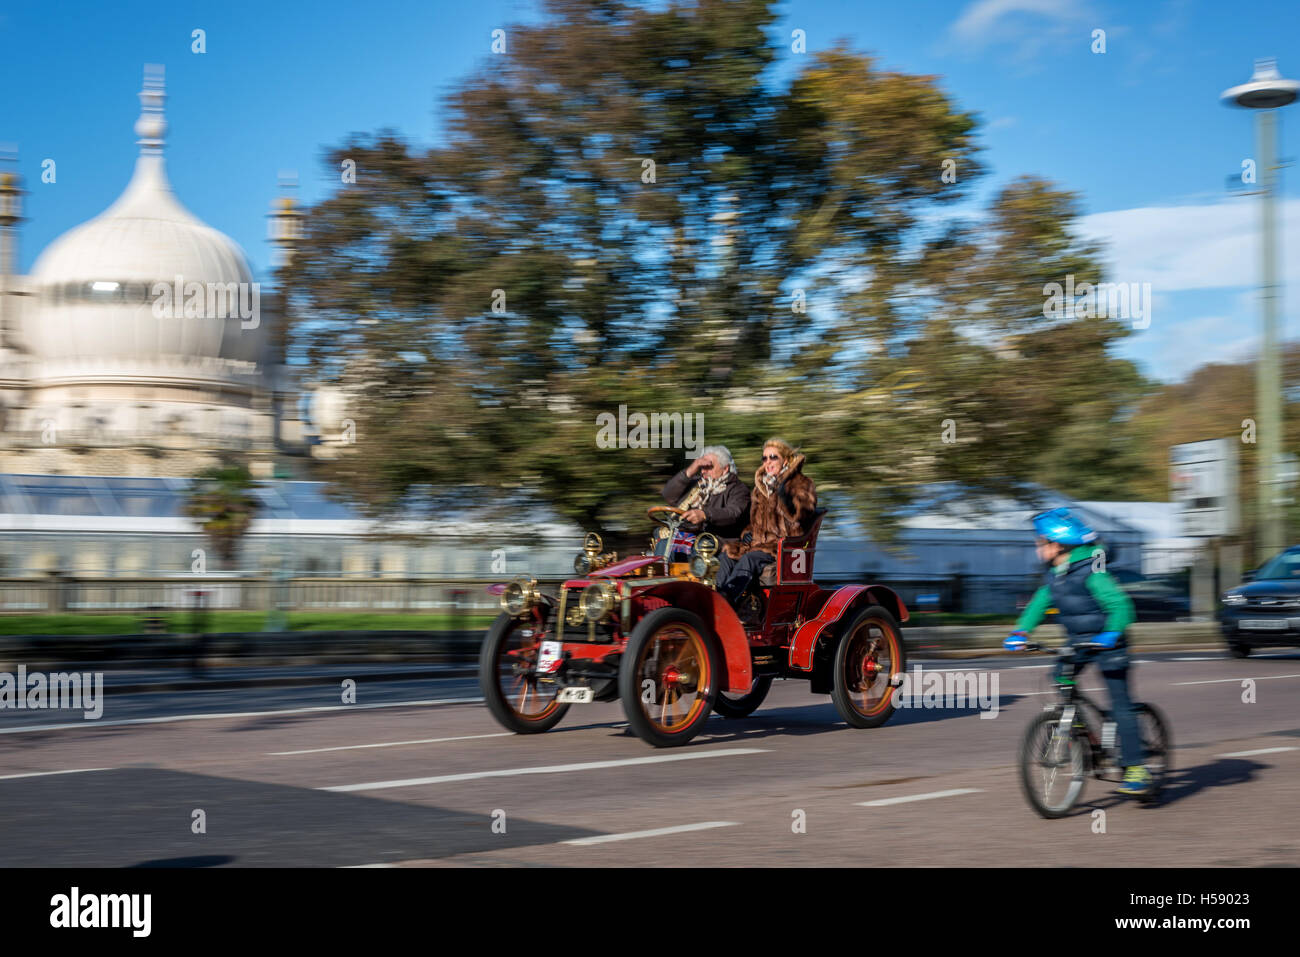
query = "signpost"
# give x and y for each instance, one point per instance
(1203, 479)
(1203, 476)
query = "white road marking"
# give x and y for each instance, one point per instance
(1217, 681)
(1030, 694)
(38, 774)
(394, 744)
(1251, 754)
(91, 725)
(919, 797)
(354, 867)
(656, 832)
(546, 769)
(1211, 658)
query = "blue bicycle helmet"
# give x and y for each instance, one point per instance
(1058, 525)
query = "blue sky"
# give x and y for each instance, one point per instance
(1137, 131)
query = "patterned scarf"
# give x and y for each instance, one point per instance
(712, 486)
(770, 481)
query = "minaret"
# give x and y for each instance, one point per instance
(11, 209)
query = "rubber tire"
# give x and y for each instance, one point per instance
(839, 693)
(747, 703)
(1239, 649)
(1158, 781)
(629, 684)
(1026, 762)
(506, 716)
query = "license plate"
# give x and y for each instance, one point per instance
(575, 696)
(1262, 624)
(549, 658)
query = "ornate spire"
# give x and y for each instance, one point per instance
(151, 126)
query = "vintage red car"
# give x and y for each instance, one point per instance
(652, 631)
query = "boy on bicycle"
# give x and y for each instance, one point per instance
(1092, 608)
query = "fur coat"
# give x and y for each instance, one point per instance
(779, 511)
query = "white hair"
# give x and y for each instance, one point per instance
(719, 452)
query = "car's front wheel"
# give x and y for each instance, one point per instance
(507, 674)
(668, 677)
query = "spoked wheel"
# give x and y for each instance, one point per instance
(1053, 765)
(742, 706)
(668, 677)
(1158, 743)
(868, 664)
(507, 674)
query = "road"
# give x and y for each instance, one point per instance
(416, 773)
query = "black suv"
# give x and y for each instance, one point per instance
(1265, 609)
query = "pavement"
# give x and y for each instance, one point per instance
(417, 773)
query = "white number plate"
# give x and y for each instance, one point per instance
(576, 696)
(1262, 624)
(549, 657)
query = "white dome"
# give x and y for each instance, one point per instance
(100, 313)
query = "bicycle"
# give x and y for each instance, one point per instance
(1065, 736)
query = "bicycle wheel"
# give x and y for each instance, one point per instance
(1053, 766)
(1157, 742)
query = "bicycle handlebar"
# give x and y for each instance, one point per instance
(1065, 649)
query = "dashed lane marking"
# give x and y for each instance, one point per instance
(163, 719)
(1251, 754)
(546, 769)
(394, 744)
(881, 802)
(39, 774)
(655, 832)
(1217, 681)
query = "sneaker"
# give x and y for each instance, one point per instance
(1137, 780)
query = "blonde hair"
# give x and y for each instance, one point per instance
(788, 452)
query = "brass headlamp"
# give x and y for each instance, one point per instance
(597, 600)
(704, 562)
(590, 558)
(519, 596)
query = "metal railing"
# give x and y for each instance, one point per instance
(58, 594)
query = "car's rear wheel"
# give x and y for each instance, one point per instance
(1239, 649)
(869, 662)
(668, 677)
(743, 705)
(507, 673)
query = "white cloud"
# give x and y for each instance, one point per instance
(1174, 346)
(1178, 248)
(986, 21)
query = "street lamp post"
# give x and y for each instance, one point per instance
(1265, 92)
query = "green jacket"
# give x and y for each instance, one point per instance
(1111, 600)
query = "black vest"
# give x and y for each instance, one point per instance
(1078, 612)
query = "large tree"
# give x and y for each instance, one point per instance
(632, 207)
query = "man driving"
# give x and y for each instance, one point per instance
(715, 498)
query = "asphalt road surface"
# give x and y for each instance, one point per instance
(417, 773)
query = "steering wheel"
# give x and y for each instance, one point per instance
(669, 516)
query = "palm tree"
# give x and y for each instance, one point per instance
(221, 502)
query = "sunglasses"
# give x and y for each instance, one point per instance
(771, 458)
(706, 468)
